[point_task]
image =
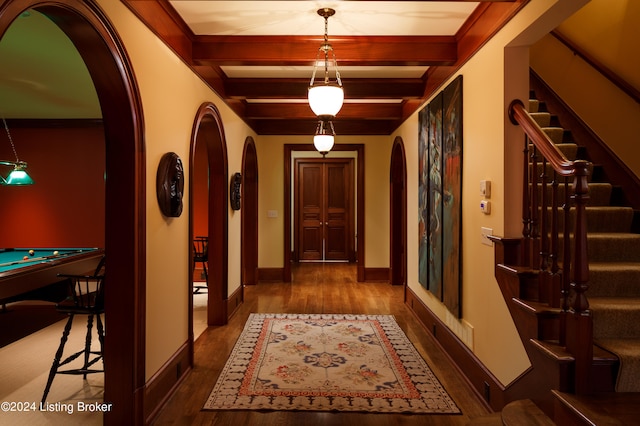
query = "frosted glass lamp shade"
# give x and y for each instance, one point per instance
(326, 100)
(323, 143)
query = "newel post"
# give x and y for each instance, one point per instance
(579, 332)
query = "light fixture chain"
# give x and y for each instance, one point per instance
(327, 46)
(13, 147)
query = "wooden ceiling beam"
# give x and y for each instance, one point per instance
(246, 88)
(301, 50)
(308, 127)
(289, 111)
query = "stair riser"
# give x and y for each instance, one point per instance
(614, 283)
(617, 248)
(620, 324)
(601, 219)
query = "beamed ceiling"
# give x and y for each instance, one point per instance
(258, 55)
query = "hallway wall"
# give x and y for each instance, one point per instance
(171, 95)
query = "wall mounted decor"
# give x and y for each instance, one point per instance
(170, 185)
(234, 191)
(439, 197)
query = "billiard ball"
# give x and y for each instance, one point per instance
(25, 258)
(55, 253)
(31, 252)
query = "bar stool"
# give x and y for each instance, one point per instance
(201, 255)
(86, 297)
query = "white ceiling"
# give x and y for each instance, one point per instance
(392, 18)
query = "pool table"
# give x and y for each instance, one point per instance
(24, 274)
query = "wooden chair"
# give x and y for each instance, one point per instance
(86, 297)
(201, 255)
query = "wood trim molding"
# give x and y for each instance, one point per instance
(209, 129)
(234, 301)
(270, 274)
(468, 365)
(376, 274)
(484, 384)
(162, 385)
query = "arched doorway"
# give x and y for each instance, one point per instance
(98, 44)
(208, 132)
(249, 214)
(398, 214)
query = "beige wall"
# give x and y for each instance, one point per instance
(491, 79)
(612, 39)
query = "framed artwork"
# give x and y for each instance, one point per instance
(439, 198)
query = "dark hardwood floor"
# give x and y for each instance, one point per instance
(316, 288)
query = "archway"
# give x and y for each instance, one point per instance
(98, 44)
(249, 214)
(398, 214)
(209, 132)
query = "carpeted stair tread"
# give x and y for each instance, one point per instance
(628, 351)
(615, 317)
(542, 118)
(611, 279)
(534, 105)
(556, 134)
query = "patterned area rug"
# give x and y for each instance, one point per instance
(327, 363)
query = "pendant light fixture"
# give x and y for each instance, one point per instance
(18, 176)
(324, 138)
(325, 97)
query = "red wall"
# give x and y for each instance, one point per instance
(65, 207)
(200, 194)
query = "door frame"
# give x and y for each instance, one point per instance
(249, 215)
(348, 161)
(208, 129)
(360, 216)
(398, 214)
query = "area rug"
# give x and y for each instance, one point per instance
(327, 362)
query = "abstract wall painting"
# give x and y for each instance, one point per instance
(439, 198)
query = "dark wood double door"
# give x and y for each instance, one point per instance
(324, 210)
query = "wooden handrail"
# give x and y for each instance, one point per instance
(564, 167)
(598, 66)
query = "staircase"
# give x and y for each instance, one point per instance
(574, 382)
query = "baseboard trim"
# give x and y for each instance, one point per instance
(485, 386)
(270, 274)
(163, 384)
(234, 301)
(376, 274)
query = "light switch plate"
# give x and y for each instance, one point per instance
(484, 233)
